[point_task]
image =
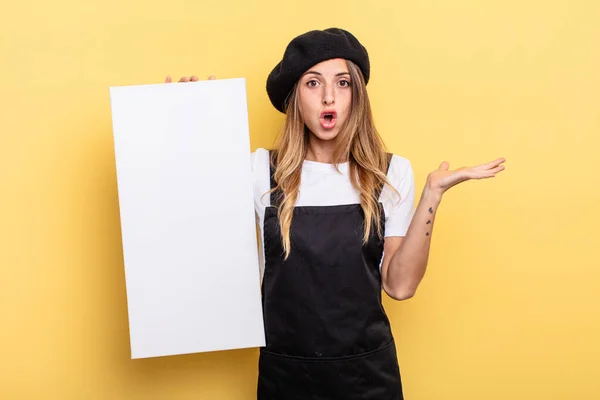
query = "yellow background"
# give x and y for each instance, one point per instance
(510, 305)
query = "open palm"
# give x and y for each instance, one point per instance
(443, 179)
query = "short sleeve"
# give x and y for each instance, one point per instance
(399, 212)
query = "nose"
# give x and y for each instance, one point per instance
(328, 95)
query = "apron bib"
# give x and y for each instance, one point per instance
(327, 334)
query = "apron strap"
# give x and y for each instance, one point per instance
(277, 195)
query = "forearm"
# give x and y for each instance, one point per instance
(408, 264)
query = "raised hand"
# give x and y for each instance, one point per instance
(192, 78)
(443, 179)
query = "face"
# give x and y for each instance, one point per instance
(325, 96)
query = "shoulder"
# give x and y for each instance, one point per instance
(399, 161)
(400, 169)
(261, 176)
(260, 158)
(399, 211)
(401, 180)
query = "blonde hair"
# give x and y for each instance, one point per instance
(359, 144)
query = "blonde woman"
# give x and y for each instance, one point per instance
(338, 224)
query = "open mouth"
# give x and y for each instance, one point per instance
(328, 119)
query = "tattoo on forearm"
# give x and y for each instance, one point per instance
(429, 221)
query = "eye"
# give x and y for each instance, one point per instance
(345, 83)
(312, 83)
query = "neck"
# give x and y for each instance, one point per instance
(320, 150)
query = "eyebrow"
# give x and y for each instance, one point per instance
(320, 74)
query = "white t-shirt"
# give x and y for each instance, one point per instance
(322, 185)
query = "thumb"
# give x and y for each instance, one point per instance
(168, 80)
(444, 166)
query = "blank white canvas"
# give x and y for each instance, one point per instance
(187, 217)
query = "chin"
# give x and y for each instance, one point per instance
(325, 134)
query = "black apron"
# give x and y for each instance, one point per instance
(327, 334)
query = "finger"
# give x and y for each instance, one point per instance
(184, 79)
(212, 78)
(444, 166)
(194, 78)
(490, 165)
(486, 174)
(499, 168)
(168, 80)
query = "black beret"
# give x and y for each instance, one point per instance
(307, 50)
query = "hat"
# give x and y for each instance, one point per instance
(307, 50)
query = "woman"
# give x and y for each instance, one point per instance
(337, 224)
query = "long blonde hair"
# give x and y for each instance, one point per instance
(359, 143)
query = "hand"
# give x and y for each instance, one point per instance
(192, 78)
(443, 179)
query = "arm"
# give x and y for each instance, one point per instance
(406, 257)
